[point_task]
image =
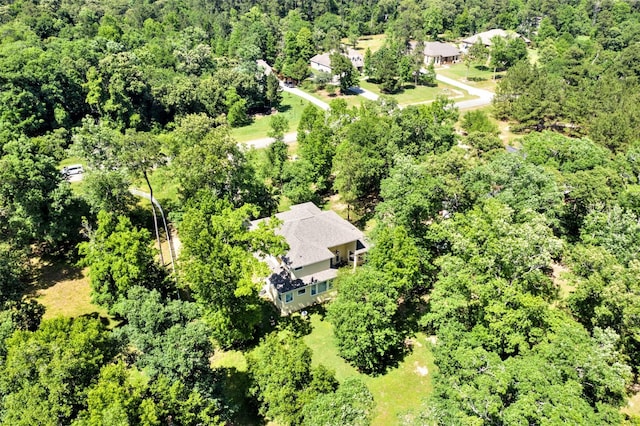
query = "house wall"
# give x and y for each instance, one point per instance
(344, 250)
(314, 268)
(301, 301)
(320, 67)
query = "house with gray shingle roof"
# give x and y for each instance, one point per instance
(322, 62)
(438, 53)
(319, 243)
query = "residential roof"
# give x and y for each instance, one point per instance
(436, 48)
(488, 35)
(322, 59)
(354, 56)
(310, 232)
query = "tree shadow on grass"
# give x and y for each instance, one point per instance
(243, 409)
(284, 108)
(52, 271)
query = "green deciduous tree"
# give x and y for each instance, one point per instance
(364, 317)
(284, 381)
(119, 257)
(343, 68)
(73, 351)
(351, 405)
(219, 267)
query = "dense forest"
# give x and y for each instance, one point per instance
(522, 264)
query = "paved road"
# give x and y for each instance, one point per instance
(305, 95)
(289, 138)
(484, 96)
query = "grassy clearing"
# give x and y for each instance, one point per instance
(420, 94)
(399, 391)
(291, 108)
(64, 291)
(373, 42)
(323, 95)
(633, 406)
(479, 77)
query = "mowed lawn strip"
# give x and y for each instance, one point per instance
(399, 391)
(291, 107)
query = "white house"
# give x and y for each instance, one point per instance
(319, 243)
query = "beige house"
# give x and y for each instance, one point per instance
(319, 243)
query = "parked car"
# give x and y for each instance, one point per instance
(74, 169)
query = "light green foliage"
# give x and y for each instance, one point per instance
(397, 256)
(119, 257)
(73, 351)
(478, 121)
(215, 163)
(284, 381)
(521, 185)
(107, 190)
(364, 317)
(219, 267)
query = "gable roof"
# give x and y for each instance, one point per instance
(486, 36)
(310, 232)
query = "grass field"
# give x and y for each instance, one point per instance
(64, 291)
(420, 94)
(351, 100)
(373, 42)
(479, 77)
(291, 108)
(399, 391)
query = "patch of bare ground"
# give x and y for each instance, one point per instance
(558, 275)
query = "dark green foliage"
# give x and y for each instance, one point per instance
(122, 396)
(284, 381)
(73, 350)
(343, 68)
(36, 203)
(364, 317)
(168, 338)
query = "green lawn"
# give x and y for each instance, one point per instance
(373, 42)
(351, 100)
(478, 77)
(419, 94)
(291, 108)
(399, 391)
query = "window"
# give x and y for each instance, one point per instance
(314, 290)
(302, 291)
(298, 268)
(280, 297)
(322, 287)
(288, 297)
(330, 284)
